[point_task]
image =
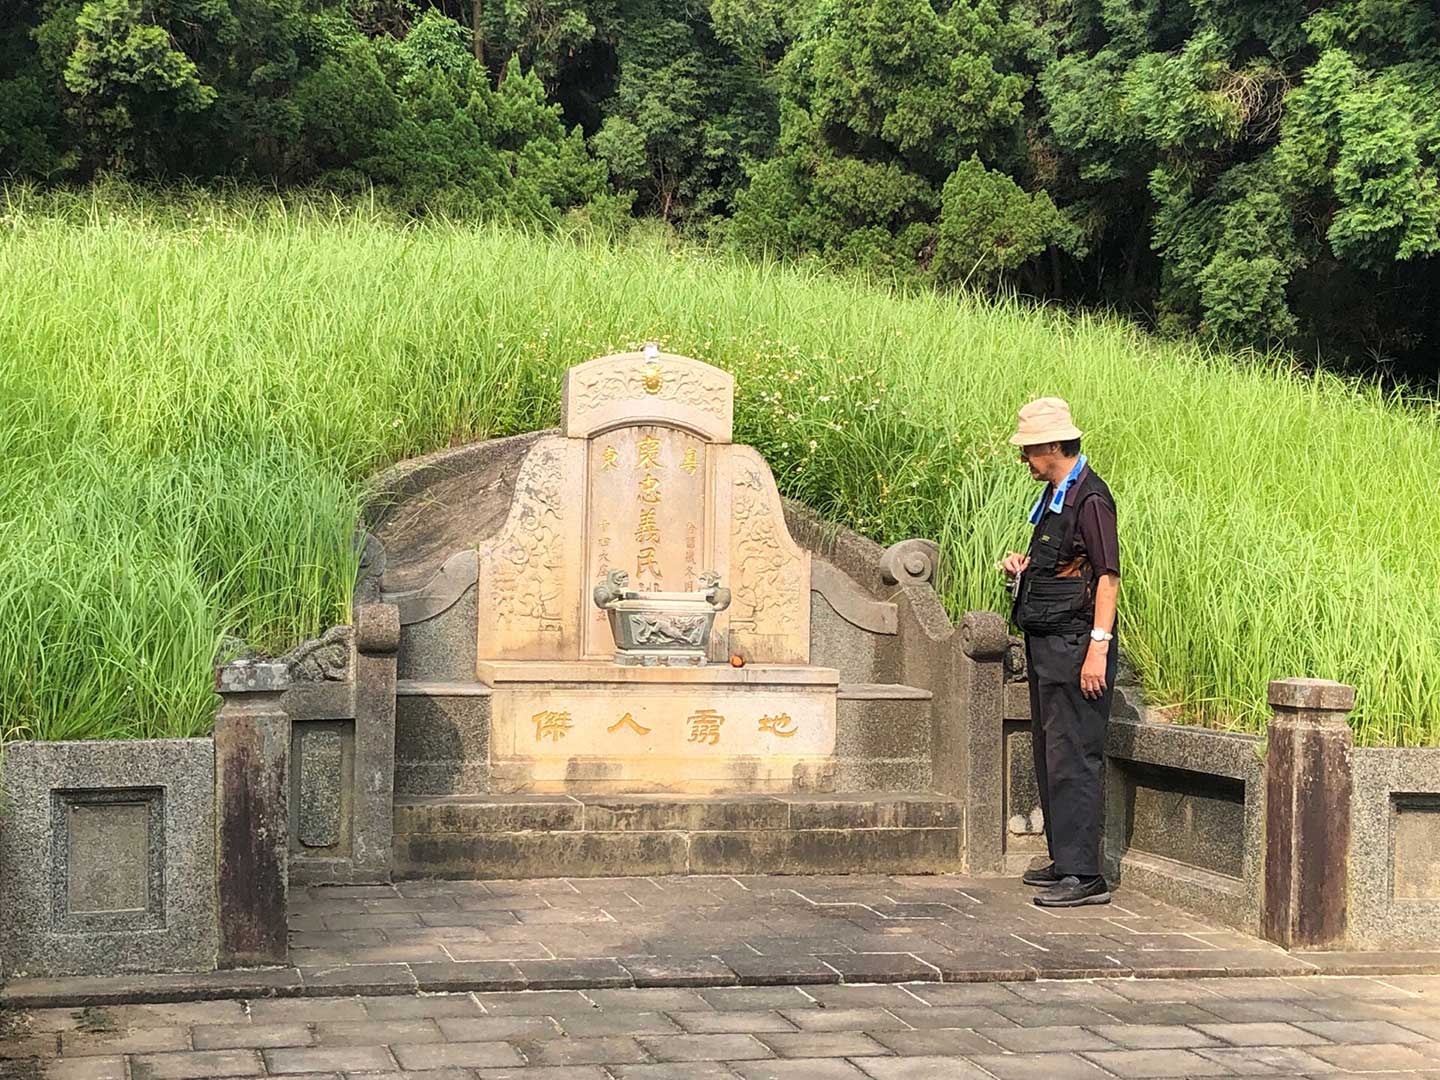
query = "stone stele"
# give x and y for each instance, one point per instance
(644, 478)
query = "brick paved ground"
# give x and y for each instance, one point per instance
(1315, 1026)
(579, 933)
(715, 931)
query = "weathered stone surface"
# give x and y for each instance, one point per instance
(1307, 816)
(1391, 876)
(252, 755)
(1186, 816)
(321, 786)
(107, 852)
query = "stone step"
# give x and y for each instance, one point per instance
(522, 836)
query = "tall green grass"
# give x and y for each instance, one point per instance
(193, 392)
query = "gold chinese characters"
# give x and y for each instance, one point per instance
(780, 724)
(552, 725)
(705, 726)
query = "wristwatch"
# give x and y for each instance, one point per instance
(1097, 634)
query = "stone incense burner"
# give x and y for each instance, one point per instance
(661, 629)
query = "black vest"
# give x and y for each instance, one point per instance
(1047, 603)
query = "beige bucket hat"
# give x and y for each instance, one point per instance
(1044, 420)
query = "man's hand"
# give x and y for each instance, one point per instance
(1014, 563)
(1092, 672)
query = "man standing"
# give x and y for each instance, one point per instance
(1066, 585)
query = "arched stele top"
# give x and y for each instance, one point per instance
(648, 387)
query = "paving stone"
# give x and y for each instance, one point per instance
(174, 1014)
(868, 967)
(572, 974)
(481, 976)
(86, 1068)
(921, 1068)
(455, 1055)
(880, 996)
(306, 1010)
(1243, 1012)
(405, 1074)
(650, 1000)
(678, 971)
(376, 1032)
(843, 1019)
(498, 1028)
(15, 1048)
(1162, 990)
(1155, 1063)
(778, 970)
(1265, 1060)
(704, 1047)
(328, 1058)
(600, 1050)
(952, 1016)
(1039, 1067)
(1069, 993)
(820, 1044)
(556, 1072)
(934, 1042)
(534, 1003)
(1337, 1009)
(1153, 1036)
(1373, 1057)
(1262, 1034)
(761, 997)
(433, 1006)
(798, 1069)
(124, 1041)
(1053, 1015)
(619, 1022)
(671, 1070)
(728, 1021)
(199, 1063)
(255, 1036)
(1021, 1040)
(967, 994)
(1361, 1031)
(359, 979)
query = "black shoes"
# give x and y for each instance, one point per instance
(1072, 891)
(1042, 878)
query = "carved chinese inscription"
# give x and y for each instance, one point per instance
(779, 724)
(551, 724)
(628, 721)
(705, 726)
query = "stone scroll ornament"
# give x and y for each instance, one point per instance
(661, 628)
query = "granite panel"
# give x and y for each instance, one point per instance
(1393, 903)
(107, 858)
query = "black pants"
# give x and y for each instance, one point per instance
(1068, 732)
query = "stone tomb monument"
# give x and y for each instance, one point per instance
(643, 478)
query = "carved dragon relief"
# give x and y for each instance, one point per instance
(682, 384)
(528, 558)
(768, 573)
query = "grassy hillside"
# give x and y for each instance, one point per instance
(192, 394)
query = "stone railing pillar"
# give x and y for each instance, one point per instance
(984, 638)
(1307, 813)
(252, 830)
(377, 640)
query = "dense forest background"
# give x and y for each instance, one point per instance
(1261, 171)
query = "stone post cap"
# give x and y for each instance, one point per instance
(252, 677)
(1319, 694)
(377, 628)
(984, 635)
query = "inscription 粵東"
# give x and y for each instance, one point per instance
(641, 379)
(527, 563)
(552, 724)
(705, 726)
(766, 571)
(691, 460)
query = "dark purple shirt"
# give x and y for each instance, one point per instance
(1096, 535)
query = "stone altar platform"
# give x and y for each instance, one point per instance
(561, 726)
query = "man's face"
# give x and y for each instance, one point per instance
(1040, 458)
